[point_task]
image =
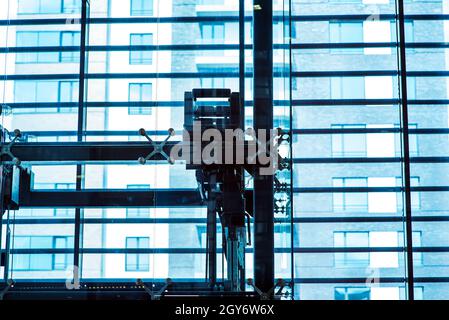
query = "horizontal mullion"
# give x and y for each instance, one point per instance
(369, 219)
(95, 104)
(213, 47)
(170, 75)
(350, 45)
(340, 219)
(367, 189)
(330, 160)
(95, 133)
(228, 18)
(363, 73)
(314, 131)
(369, 160)
(155, 20)
(219, 250)
(347, 280)
(363, 280)
(368, 102)
(345, 73)
(96, 48)
(190, 75)
(112, 104)
(295, 103)
(343, 102)
(363, 17)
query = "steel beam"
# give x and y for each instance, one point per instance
(263, 119)
(111, 198)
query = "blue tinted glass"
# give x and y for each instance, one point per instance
(141, 7)
(141, 57)
(28, 6)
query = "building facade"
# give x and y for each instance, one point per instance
(344, 95)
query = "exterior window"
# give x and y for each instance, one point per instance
(352, 293)
(46, 91)
(37, 39)
(136, 261)
(42, 262)
(47, 39)
(347, 88)
(348, 240)
(212, 83)
(138, 212)
(374, 239)
(48, 6)
(35, 91)
(71, 6)
(346, 33)
(348, 145)
(350, 201)
(61, 261)
(70, 39)
(213, 32)
(141, 7)
(62, 212)
(39, 6)
(138, 56)
(139, 92)
(68, 92)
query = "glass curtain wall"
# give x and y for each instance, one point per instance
(337, 86)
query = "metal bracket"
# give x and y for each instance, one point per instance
(9, 284)
(154, 295)
(269, 294)
(157, 145)
(6, 149)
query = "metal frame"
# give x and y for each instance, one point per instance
(405, 150)
(81, 197)
(263, 119)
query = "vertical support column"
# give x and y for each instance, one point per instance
(263, 119)
(242, 57)
(406, 150)
(81, 129)
(212, 232)
(242, 69)
(3, 209)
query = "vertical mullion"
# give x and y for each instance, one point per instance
(292, 224)
(242, 56)
(81, 128)
(241, 85)
(263, 120)
(406, 150)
